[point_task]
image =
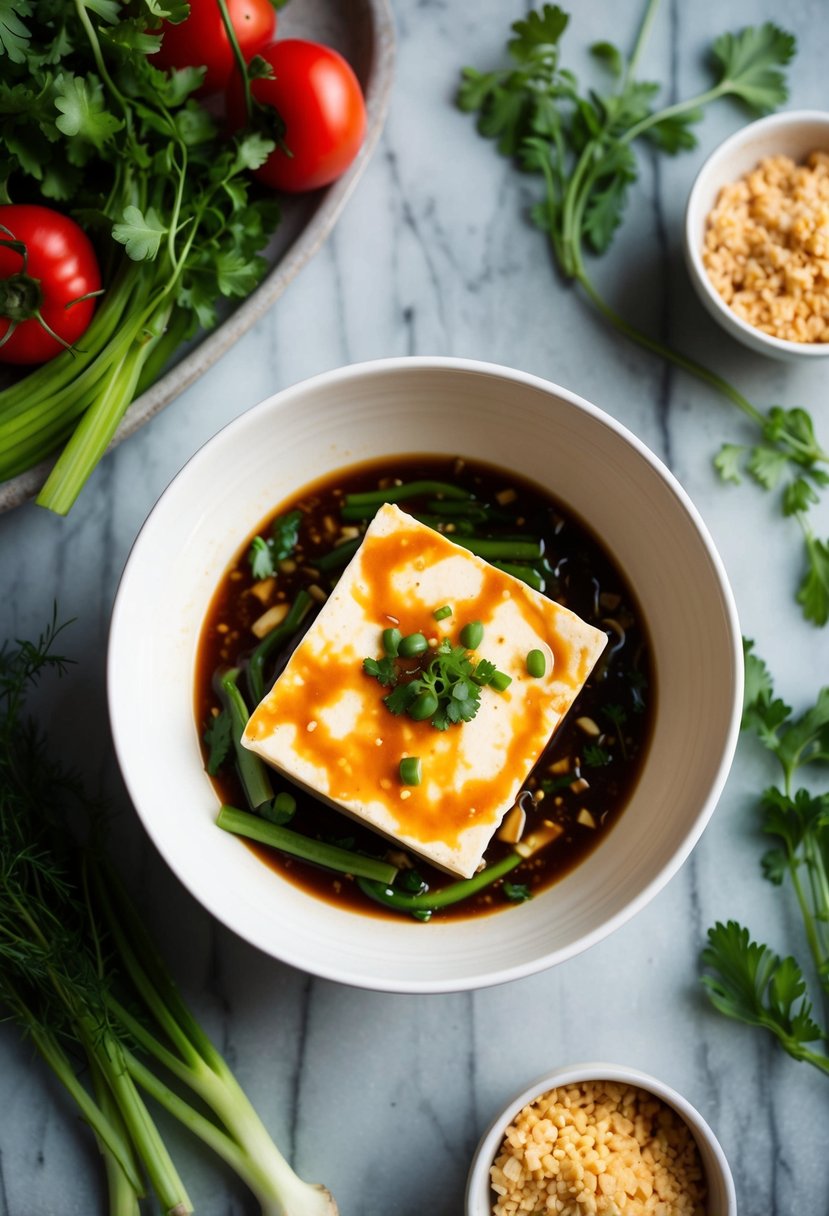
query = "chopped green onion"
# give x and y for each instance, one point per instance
(252, 772)
(527, 574)
(340, 555)
(413, 644)
(440, 614)
(472, 635)
(281, 810)
(500, 681)
(391, 642)
(330, 856)
(411, 770)
(536, 664)
(423, 706)
(451, 894)
(271, 643)
(524, 550)
(376, 498)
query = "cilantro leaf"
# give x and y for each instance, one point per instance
(728, 462)
(538, 33)
(14, 33)
(383, 670)
(673, 133)
(767, 465)
(749, 65)
(595, 756)
(813, 593)
(140, 233)
(749, 982)
(218, 739)
(516, 892)
(83, 113)
(260, 558)
(610, 56)
(285, 534)
(606, 205)
(798, 496)
(399, 700)
(762, 712)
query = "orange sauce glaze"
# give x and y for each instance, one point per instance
(356, 768)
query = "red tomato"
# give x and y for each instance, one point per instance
(201, 39)
(319, 99)
(59, 266)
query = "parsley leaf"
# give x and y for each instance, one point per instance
(595, 756)
(260, 558)
(516, 892)
(140, 233)
(383, 670)
(813, 593)
(83, 112)
(749, 65)
(266, 552)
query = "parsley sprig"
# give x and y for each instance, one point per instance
(746, 980)
(581, 144)
(447, 690)
(88, 122)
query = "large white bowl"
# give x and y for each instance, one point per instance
(722, 1199)
(452, 407)
(793, 133)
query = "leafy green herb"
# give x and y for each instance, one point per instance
(581, 145)
(218, 738)
(516, 892)
(447, 690)
(745, 980)
(88, 120)
(265, 553)
(595, 756)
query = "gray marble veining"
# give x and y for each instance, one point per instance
(383, 1097)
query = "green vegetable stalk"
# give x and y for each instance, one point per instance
(744, 979)
(581, 144)
(81, 978)
(88, 122)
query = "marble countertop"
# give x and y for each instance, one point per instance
(384, 1097)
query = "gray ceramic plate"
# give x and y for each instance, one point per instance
(364, 32)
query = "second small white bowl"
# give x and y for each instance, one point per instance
(795, 133)
(722, 1199)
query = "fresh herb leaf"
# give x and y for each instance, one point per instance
(14, 33)
(140, 233)
(83, 112)
(219, 741)
(750, 983)
(813, 593)
(260, 558)
(595, 756)
(384, 670)
(285, 534)
(749, 65)
(609, 55)
(516, 892)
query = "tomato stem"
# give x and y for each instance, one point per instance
(21, 297)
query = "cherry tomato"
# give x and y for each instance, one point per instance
(46, 264)
(201, 39)
(318, 97)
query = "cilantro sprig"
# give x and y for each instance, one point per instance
(266, 552)
(446, 690)
(87, 121)
(747, 980)
(581, 143)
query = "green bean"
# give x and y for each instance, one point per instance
(391, 642)
(272, 641)
(412, 645)
(357, 514)
(452, 894)
(329, 856)
(468, 510)
(500, 547)
(252, 772)
(527, 574)
(460, 527)
(376, 498)
(440, 614)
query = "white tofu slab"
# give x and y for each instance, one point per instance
(325, 726)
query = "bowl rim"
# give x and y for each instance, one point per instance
(755, 337)
(573, 1074)
(283, 399)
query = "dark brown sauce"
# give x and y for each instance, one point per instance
(585, 776)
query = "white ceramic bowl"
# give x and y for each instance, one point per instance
(795, 133)
(452, 407)
(722, 1200)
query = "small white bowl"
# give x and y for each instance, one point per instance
(722, 1200)
(795, 133)
(451, 407)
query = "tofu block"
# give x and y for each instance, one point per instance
(324, 724)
